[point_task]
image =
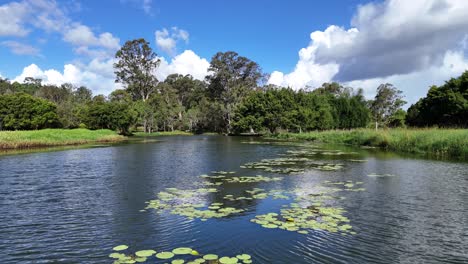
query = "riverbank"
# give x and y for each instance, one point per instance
(432, 142)
(55, 137)
(163, 133)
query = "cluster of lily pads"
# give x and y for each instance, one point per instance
(291, 165)
(312, 210)
(177, 256)
(301, 219)
(188, 203)
(298, 160)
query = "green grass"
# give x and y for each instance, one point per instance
(55, 137)
(432, 142)
(163, 133)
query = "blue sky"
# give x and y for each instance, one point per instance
(359, 43)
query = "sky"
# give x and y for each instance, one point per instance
(411, 44)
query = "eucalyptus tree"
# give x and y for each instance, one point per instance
(386, 103)
(135, 69)
(230, 78)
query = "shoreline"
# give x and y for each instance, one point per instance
(17, 140)
(452, 143)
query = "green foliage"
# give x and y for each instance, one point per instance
(321, 109)
(110, 115)
(433, 142)
(231, 78)
(23, 111)
(231, 99)
(445, 106)
(135, 67)
(54, 137)
(387, 102)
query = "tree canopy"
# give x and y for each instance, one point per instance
(232, 98)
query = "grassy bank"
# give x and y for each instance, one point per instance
(432, 142)
(55, 137)
(163, 133)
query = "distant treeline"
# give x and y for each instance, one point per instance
(231, 99)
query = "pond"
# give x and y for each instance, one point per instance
(262, 201)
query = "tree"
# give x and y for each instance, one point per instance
(387, 101)
(135, 69)
(444, 106)
(398, 119)
(23, 111)
(230, 79)
(110, 115)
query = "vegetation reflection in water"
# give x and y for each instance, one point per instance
(309, 209)
(176, 256)
(298, 161)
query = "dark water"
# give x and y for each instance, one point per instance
(74, 206)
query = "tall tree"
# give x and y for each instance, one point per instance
(386, 103)
(231, 78)
(135, 69)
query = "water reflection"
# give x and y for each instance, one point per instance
(75, 205)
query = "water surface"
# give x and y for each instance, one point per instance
(75, 205)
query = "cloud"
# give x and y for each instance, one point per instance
(166, 40)
(83, 38)
(185, 63)
(11, 19)
(145, 5)
(97, 76)
(416, 84)
(18, 19)
(20, 48)
(390, 38)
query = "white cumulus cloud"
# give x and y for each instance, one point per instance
(166, 40)
(185, 63)
(389, 40)
(97, 76)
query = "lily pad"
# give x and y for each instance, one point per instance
(120, 248)
(165, 255)
(145, 253)
(182, 251)
(210, 257)
(228, 260)
(243, 257)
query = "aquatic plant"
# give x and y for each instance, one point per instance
(183, 254)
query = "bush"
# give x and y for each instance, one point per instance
(22, 112)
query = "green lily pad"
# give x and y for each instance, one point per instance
(120, 248)
(117, 255)
(178, 261)
(145, 253)
(165, 255)
(243, 257)
(182, 251)
(210, 257)
(228, 260)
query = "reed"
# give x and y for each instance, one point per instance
(428, 141)
(55, 137)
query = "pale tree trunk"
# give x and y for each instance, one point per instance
(376, 125)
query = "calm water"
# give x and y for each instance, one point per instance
(74, 206)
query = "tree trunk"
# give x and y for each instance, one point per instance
(376, 125)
